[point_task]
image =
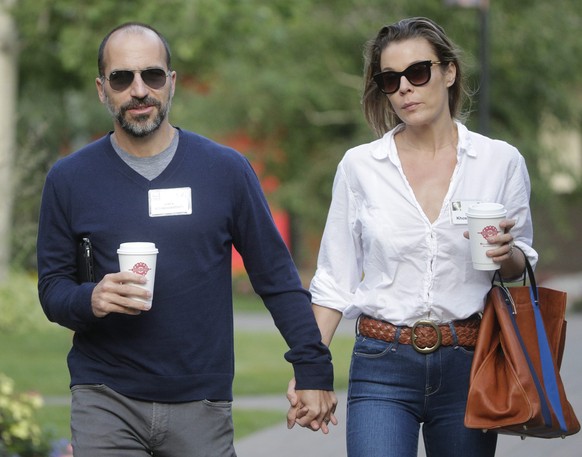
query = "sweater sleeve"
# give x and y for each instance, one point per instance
(275, 279)
(63, 300)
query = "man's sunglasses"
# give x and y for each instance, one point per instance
(121, 79)
(418, 74)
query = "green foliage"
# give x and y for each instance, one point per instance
(21, 311)
(286, 73)
(20, 433)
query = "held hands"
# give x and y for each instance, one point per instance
(116, 294)
(313, 409)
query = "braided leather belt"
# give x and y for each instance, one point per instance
(425, 336)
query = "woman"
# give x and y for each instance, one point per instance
(395, 252)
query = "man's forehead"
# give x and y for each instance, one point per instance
(136, 46)
(135, 35)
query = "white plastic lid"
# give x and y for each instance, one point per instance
(483, 210)
(137, 248)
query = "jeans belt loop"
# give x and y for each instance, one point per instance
(426, 323)
(454, 334)
(397, 335)
(358, 324)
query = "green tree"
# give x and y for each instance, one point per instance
(8, 59)
(286, 73)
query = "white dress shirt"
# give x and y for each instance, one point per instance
(381, 256)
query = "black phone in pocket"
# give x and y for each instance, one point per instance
(85, 269)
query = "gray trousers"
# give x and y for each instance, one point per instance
(107, 424)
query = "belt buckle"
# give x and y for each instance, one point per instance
(429, 349)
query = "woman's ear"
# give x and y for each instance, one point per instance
(450, 74)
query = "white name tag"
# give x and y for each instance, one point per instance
(459, 209)
(170, 202)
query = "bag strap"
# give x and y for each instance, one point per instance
(548, 372)
(548, 368)
(532, 278)
(512, 311)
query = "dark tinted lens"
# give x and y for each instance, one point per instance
(154, 77)
(387, 81)
(120, 80)
(390, 81)
(418, 74)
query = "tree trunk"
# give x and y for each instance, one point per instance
(8, 95)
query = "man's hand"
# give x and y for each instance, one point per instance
(116, 294)
(313, 409)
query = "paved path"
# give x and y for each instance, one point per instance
(280, 442)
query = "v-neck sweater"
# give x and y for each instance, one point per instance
(183, 348)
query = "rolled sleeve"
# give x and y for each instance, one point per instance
(339, 265)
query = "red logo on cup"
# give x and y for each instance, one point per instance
(489, 231)
(140, 268)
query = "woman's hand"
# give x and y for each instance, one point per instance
(313, 409)
(512, 265)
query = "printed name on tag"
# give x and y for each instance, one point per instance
(170, 202)
(458, 209)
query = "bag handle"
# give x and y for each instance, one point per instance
(532, 278)
(528, 274)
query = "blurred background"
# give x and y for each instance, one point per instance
(281, 81)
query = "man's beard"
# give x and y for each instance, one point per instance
(140, 126)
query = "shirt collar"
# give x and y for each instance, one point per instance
(386, 148)
(465, 141)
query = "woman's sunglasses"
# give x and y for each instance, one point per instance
(120, 80)
(418, 74)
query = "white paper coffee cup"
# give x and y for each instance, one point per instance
(483, 220)
(139, 258)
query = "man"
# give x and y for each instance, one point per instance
(158, 381)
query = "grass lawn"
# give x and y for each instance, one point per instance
(36, 360)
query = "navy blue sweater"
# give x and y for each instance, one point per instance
(182, 349)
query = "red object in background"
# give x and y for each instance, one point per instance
(242, 143)
(281, 219)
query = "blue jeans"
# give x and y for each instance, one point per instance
(393, 389)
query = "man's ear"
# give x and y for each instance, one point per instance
(100, 89)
